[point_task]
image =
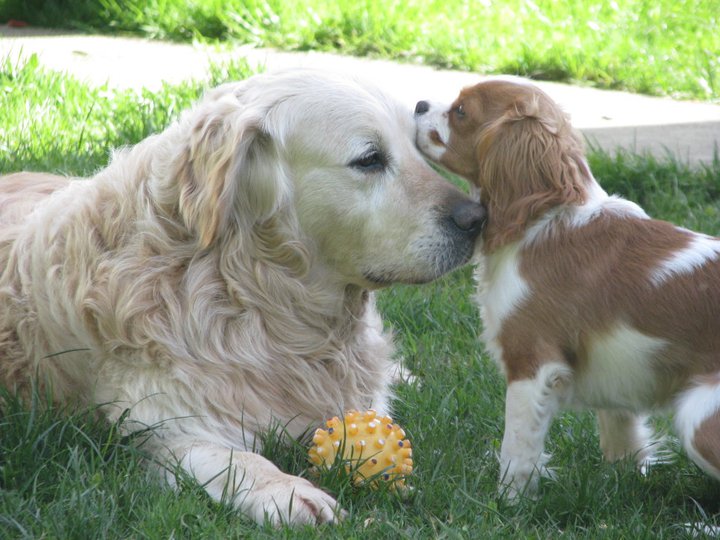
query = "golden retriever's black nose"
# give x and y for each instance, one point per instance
(469, 216)
(422, 107)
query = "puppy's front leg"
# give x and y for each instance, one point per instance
(254, 485)
(530, 405)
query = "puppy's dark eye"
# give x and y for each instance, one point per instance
(459, 111)
(371, 161)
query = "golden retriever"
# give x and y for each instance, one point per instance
(216, 279)
(585, 300)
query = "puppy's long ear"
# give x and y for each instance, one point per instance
(228, 174)
(530, 160)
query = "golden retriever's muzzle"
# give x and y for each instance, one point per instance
(460, 221)
(463, 221)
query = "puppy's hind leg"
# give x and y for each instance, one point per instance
(697, 421)
(627, 435)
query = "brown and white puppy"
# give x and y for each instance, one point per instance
(585, 300)
(216, 279)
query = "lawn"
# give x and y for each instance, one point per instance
(667, 47)
(64, 474)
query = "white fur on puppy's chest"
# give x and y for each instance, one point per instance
(501, 289)
(618, 371)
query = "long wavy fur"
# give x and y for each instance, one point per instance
(184, 257)
(531, 160)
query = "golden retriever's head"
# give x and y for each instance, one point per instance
(312, 163)
(514, 144)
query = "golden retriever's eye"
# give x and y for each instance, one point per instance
(371, 161)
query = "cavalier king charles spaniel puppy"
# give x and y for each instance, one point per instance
(586, 301)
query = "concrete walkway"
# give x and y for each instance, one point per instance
(685, 130)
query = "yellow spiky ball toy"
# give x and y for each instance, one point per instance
(372, 446)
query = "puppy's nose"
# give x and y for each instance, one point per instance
(469, 216)
(422, 107)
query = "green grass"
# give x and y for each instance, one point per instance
(54, 123)
(65, 474)
(666, 47)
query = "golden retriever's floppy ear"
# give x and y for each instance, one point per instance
(530, 161)
(228, 174)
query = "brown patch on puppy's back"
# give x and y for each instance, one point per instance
(583, 278)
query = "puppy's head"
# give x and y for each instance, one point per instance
(304, 158)
(512, 142)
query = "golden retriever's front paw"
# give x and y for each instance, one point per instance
(291, 500)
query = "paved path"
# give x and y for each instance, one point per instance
(688, 131)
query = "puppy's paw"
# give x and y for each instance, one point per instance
(518, 483)
(656, 453)
(523, 479)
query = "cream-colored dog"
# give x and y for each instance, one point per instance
(217, 277)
